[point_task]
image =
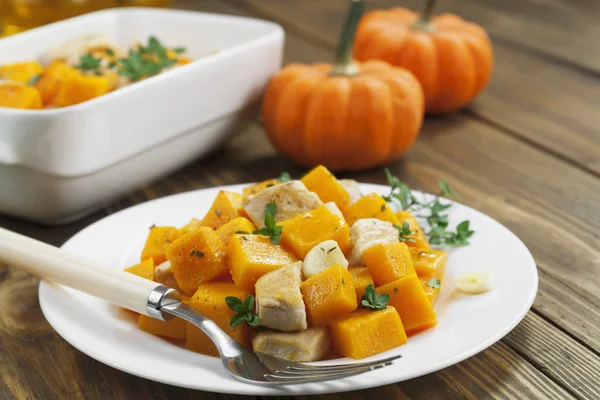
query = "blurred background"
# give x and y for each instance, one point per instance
(19, 15)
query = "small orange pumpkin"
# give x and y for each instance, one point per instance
(451, 58)
(346, 116)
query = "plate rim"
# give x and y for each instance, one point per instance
(278, 391)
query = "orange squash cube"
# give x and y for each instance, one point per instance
(429, 263)
(366, 332)
(430, 291)
(209, 300)
(419, 234)
(227, 206)
(303, 232)
(251, 256)
(145, 269)
(388, 262)
(174, 329)
(327, 187)
(370, 206)
(21, 72)
(408, 298)
(18, 95)
(328, 295)
(239, 224)
(192, 225)
(361, 277)
(258, 187)
(159, 238)
(197, 257)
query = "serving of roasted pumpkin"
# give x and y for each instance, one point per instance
(81, 70)
(305, 269)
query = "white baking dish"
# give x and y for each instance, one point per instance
(58, 164)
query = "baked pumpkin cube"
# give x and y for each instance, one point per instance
(429, 263)
(258, 187)
(388, 262)
(197, 257)
(251, 256)
(239, 224)
(190, 226)
(23, 72)
(328, 295)
(361, 277)
(159, 238)
(418, 237)
(370, 206)
(327, 187)
(431, 289)
(174, 329)
(209, 300)
(227, 206)
(366, 332)
(18, 95)
(305, 231)
(145, 269)
(52, 79)
(408, 298)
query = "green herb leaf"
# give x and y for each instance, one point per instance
(34, 79)
(434, 283)
(404, 232)
(374, 301)
(269, 221)
(242, 233)
(243, 311)
(110, 52)
(88, 62)
(276, 239)
(178, 50)
(271, 208)
(284, 177)
(445, 189)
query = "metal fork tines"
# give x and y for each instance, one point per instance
(256, 368)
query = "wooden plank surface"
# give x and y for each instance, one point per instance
(535, 186)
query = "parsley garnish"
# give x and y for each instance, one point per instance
(271, 228)
(178, 50)
(434, 283)
(404, 232)
(110, 52)
(88, 62)
(433, 213)
(34, 79)
(372, 300)
(146, 61)
(242, 233)
(284, 177)
(243, 311)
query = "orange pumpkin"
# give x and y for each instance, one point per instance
(452, 58)
(345, 116)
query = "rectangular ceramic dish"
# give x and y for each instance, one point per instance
(59, 164)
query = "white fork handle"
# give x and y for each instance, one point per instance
(51, 263)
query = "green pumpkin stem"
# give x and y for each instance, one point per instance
(424, 22)
(344, 61)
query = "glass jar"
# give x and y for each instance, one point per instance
(19, 15)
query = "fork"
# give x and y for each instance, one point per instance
(163, 303)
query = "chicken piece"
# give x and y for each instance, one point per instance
(331, 206)
(309, 345)
(292, 198)
(352, 188)
(279, 300)
(163, 274)
(324, 255)
(74, 49)
(368, 232)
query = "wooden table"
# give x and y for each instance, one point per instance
(526, 152)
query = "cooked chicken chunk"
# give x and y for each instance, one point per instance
(163, 274)
(368, 232)
(309, 345)
(323, 256)
(331, 206)
(74, 49)
(292, 198)
(279, 300)
(352, 188)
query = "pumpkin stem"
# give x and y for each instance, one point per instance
(424, 22)
(344, 61)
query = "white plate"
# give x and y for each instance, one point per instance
(467, 324)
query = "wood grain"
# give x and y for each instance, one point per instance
(549, 105)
